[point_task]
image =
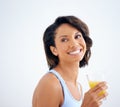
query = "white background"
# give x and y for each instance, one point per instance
(22, 59)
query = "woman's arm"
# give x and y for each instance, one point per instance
(48, 92)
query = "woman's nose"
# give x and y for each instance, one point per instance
(74, 43)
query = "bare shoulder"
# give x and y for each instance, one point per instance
(47, 82)
(48, 92)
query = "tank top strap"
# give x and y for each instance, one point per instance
(58, 76)
(69, 101)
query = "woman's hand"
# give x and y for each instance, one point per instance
(92, 98)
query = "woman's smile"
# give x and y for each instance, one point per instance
(74, 52)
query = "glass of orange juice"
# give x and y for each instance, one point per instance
(94, 78)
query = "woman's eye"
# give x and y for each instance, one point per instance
(64, 39)
(77, 36)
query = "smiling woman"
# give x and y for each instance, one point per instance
(68, 47)
(50, 35)
(69, 42)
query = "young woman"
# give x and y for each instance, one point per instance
(68, 47)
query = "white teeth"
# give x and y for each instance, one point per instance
(75, 52)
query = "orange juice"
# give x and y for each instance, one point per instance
(92, 84)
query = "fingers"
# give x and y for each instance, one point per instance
(99, 103)
(93, 97)
(102, 96)
(99, 87)
(99, 91)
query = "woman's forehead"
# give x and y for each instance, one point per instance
(66, 29)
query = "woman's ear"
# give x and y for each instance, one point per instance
(53, 50)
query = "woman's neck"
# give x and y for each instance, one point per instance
(69, 72)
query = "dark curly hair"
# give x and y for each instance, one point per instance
(49, 36)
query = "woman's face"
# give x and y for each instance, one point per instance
(70, 45)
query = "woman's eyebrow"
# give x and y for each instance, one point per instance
(65, 35)
(78, 33)
(61, 36)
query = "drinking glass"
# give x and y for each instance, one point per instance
(94, 78)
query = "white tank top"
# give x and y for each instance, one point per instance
(69, 100)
